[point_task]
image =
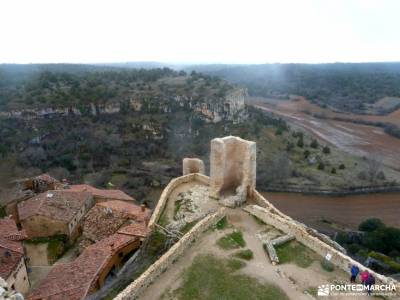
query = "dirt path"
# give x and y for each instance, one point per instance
(346, 211)
(291, 279)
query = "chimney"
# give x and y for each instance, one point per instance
(143, 207)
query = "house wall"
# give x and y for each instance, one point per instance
(18, 279)
(40, 226)
(12, 209)
(136, 288)
(37, 253)
(115, 261)
(74, 226)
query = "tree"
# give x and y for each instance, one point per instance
(371, 224)
(280, 167)
(300, 142)
(374, 166)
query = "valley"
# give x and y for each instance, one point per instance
(358, 139)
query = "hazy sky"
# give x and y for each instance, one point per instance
(199, 31)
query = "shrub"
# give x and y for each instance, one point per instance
(232, 241)
(235, 264)
(300, 143)
(246, 254)
(362, 253)
(221, 224)
(333, 171)
(327, 265)
(2, 212)
(342, 167)
(326, 150)
(321, 166)
(381, 175)
(289, 146)
(342, 238)
(306, 153)
(386, 259)
(314, 144)
(371, 224)
(279, 131)
(384, 240)
(353, 248)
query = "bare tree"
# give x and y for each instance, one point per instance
(374, 166)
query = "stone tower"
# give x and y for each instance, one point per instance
(232, 168)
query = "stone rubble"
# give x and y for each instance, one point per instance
(6, 293)
(194, 205)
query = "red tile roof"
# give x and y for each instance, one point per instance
(106, 194)
(57, 204)
(73, 280)
(136, 229)
(131, 210)
(11, 250)
(106, 218)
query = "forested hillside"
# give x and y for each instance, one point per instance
(347, 87)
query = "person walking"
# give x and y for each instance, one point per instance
(364, 277)
(354, 273)
(370, 282)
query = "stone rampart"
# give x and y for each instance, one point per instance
(168, 190)
(136, 288)
(289, 226)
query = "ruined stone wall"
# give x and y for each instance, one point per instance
(168, 190)
(289, 226)
(192, 165)
(232, 164)
(136, 288)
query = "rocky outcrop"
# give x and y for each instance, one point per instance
(231, 107)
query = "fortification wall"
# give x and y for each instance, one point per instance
(168, 190)
(289, 226)
(136, 288)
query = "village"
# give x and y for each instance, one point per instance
(65, 241)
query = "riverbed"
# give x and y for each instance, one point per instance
(329, 213)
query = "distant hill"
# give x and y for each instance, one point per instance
(344, 86)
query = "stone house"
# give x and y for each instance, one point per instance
(88, 273)
(24, 189)
(54, 213)
(40, 183)
(12, 257)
